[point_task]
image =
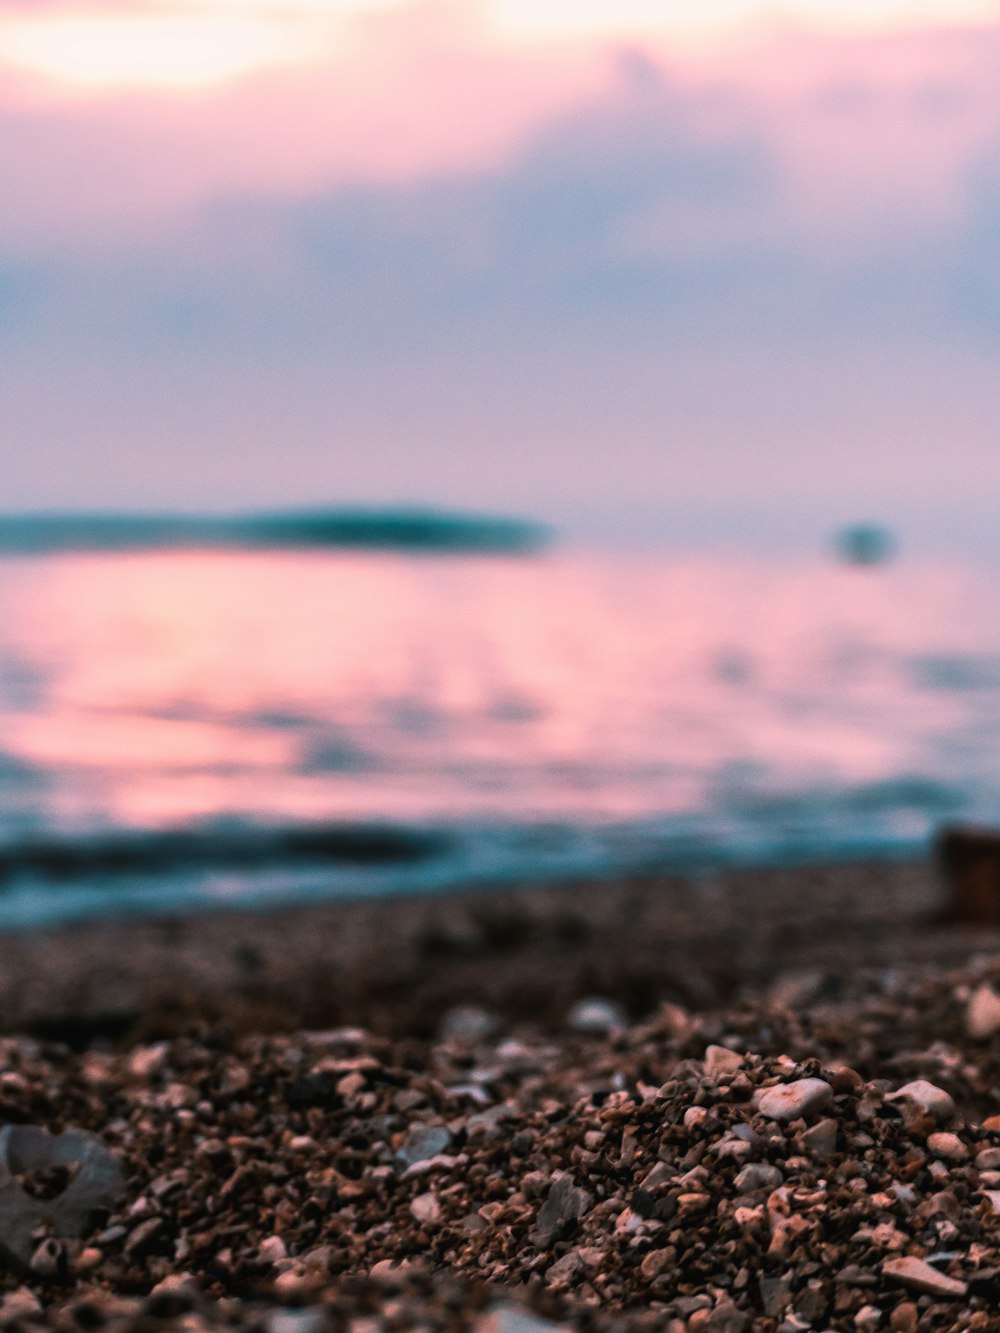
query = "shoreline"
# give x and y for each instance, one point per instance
(527, 951)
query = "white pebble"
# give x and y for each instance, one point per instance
(795, 1101)
(928, 1096)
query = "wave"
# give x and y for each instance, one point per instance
(229, 846)
(301, 529)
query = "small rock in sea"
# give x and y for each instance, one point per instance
(982, 1014)
(468, 1023)
(947, 1146)
(992, 1197)
(931, 1099)
(919, 1276)
(597, 1015)
(564, 1203)
(422, 1143)
(795, 1101)
(721, 1060)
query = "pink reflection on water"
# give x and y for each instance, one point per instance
(579, 687)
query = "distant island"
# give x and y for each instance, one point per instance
(296, 529)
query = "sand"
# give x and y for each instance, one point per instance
(528, 952)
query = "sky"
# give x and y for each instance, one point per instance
(641, 268)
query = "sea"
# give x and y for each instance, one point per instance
(186, 728)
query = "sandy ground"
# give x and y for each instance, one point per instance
(397, 965)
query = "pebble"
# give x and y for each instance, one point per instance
(468, 1023)
(721, 1060)
(19, 1304)
(947, 1146)
(597, 1015)
(426, 1209)
(820, 1140)
(296, 1321)
(619, 1183)
(510, 1319)
(931, 1099)
(423, 1143)
(757, 1176)
(795, 1101)
(868, 1319)
(982, 1014)
(564, 1203)
(919, 1276)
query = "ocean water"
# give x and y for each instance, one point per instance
(182, 729)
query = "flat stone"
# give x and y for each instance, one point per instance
(919, 1276)
(982, 1014)
(296, 1321)
(758, 1176)
(795, 1101)
(422, 1143)
(564, 1203)
(726, 1318)
(931, 1099)
(820, 1140)
(98, 1185)
(775, 1294)
(721, 1060)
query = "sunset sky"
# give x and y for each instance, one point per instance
(696, 268)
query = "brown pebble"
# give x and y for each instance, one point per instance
(904, 1318)
(920, 1276)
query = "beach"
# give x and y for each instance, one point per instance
(767, 1100)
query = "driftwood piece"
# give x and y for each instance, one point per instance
(969, 861)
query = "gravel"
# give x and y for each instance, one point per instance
(802, 1148)
(841, 1173)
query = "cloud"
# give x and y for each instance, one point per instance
(666, 291)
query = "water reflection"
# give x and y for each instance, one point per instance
(149, 690)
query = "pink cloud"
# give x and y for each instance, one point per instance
(869, 130)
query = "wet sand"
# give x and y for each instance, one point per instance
(400, 1115)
